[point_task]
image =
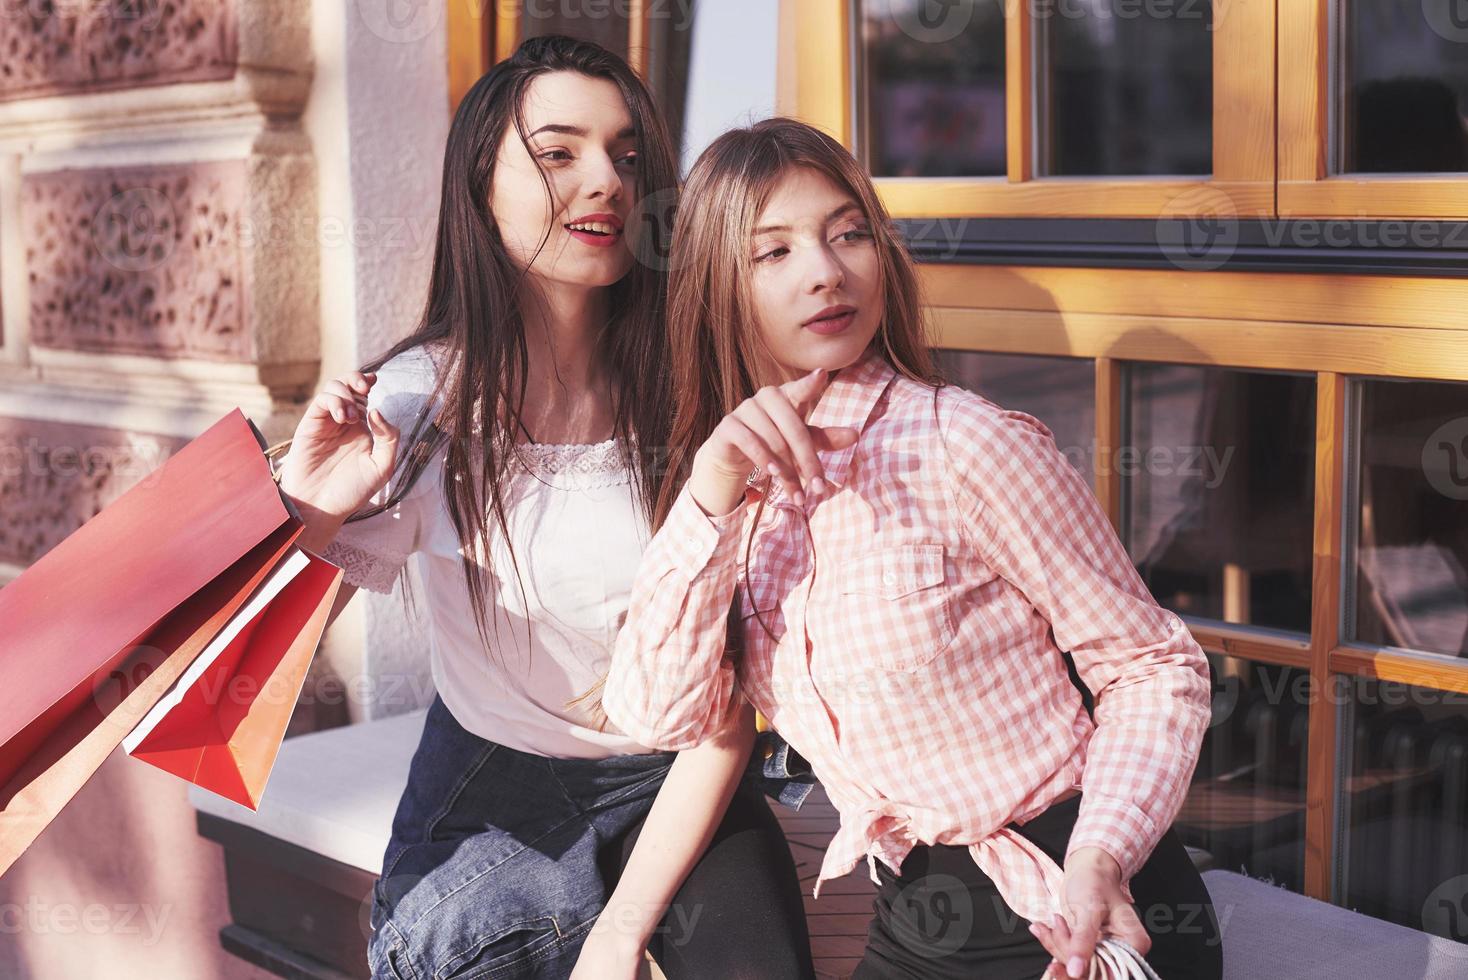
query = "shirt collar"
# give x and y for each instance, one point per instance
(849, 401)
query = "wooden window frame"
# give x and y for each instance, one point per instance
(1307, 188)
(482, 33)
(1341, 328)
(816, 35)
(1336, 327)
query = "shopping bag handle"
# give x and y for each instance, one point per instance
(273, 454)
(1116, 959)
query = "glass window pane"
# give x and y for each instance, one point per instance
(1411, 515)
(1246, 804)
(1405, 833)
(1219, 475)
(1059, 391)
(1403, 86)
(1124, 89)
(604, 24)
(932, 88)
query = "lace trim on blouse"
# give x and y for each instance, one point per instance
(575, 466)
(562, 466)
(368, 570)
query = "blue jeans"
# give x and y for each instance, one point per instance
(500, 861)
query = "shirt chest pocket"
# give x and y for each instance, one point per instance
(893, 606)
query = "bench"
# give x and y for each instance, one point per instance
(300, 873)
(1270, 933)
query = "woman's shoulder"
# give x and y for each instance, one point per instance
(406, 384)
(965, 414)
(416, 370)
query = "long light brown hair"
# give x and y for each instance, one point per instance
(714, 336)
(719, 357)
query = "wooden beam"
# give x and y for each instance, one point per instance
(1389, 301)
(506, 28)
(469, 32)
(1396, 352)
(1019, 93)
(1110, 436)
(814, 65)
(1321, 777)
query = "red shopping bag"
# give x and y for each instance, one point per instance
(97, 632)
(222, 724)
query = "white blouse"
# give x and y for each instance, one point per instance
(578, 534)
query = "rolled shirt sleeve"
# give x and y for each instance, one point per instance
(669, 686)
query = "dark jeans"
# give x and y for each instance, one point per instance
(500, 861)
(944, 918)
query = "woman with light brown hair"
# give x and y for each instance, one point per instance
(906, 562)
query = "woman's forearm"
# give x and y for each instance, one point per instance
(669, 685)
(677, 831)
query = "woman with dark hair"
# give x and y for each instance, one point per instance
(533, 838)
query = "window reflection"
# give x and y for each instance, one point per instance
(1124, 93)
(1403, 86)
(932, 88)
(1405, 834)
(1246, 804)
(1411, 535)
(1219, 474)
(1059, 391)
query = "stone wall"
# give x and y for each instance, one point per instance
(174, 178)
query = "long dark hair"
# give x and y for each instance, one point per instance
(474, 318)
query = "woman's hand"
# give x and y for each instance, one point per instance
(340, 456)
(767, 431)
(609, 954)
(1094, 905)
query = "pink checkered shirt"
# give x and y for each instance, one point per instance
(916, 613)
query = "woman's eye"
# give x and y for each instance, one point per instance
(855, 235)
(630, 160)
(556, 155)
(771, 254)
